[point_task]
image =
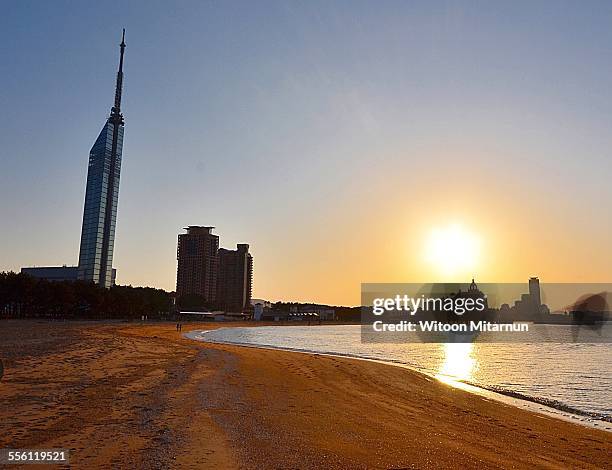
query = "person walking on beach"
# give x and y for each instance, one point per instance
(177, 326)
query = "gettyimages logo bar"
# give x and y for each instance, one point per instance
(531, 312)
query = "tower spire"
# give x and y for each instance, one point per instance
(116, 109)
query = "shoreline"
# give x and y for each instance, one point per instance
(526, 402)
(144, 396)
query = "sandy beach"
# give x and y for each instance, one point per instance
(141, 396)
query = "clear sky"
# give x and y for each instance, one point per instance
(338, 138)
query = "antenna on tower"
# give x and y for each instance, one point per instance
(116, 109)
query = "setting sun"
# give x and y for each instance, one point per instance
(452, 250)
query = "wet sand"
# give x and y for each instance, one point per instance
(142, 396)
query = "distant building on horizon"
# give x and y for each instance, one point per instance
(198, 262)
(235, 278)
(528, 308)
(323, 312)
(102, 194)
(52, 273)
(57, 273)
(534, 291)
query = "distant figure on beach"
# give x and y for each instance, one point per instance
(177, 326)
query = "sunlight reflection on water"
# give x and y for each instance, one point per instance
(459, 363)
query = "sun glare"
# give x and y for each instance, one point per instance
(459, 363)
(452, 250)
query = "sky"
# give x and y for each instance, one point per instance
(346, 141)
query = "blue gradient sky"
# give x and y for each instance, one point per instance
(331, 136)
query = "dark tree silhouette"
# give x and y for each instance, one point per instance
(23, 296)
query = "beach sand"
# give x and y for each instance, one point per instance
(141, 396)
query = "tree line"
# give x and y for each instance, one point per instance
(24, 296)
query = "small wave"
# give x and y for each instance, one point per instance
(558, 405)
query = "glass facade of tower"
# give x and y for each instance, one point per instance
(101, 197)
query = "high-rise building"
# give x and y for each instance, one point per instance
(235, 278)
(102, 194)
(198, 262)
(534, 292)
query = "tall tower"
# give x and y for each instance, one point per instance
(102, 194)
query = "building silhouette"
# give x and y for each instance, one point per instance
(198, 263)
(102, 194)
(234, 281)
(529, 307)
(52, 273)
(57, 273)
(534, 292)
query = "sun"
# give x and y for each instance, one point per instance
(452, 251)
